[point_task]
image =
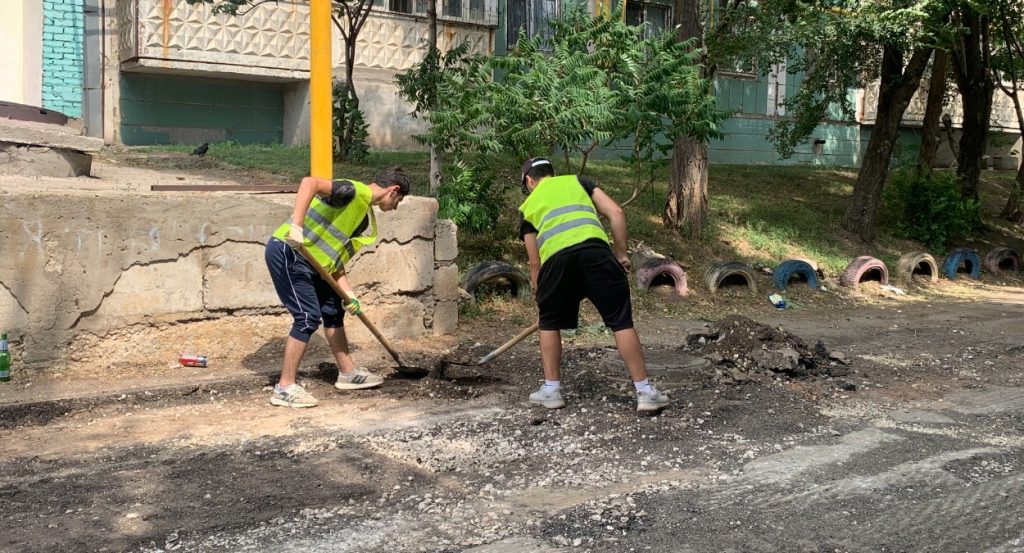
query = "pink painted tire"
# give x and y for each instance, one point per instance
(862, 268)
(661, 271)
(1001, 260)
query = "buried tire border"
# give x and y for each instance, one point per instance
(717, 272)
(909, 262)
(961, 256)
(855, 271)
(785, 271)
(996, 256)
(487, 271)
(653, 268)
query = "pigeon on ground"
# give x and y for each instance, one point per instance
(201, 150)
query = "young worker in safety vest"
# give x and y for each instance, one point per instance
(570, 259)
(334, 216)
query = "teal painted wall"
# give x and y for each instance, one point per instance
(63, 56)
(746, 142)
(166, 109)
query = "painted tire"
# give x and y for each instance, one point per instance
(861, 267)
(654, 268)
(717, 273)
(920, 263)
(792, 268)
(966, 257)
(491, 271)
(1002, 259)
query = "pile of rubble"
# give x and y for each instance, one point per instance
(744, 350)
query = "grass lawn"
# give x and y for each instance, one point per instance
(758, 214)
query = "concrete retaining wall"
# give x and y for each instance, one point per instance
(98, 264)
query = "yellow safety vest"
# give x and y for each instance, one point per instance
(563, 214)
(327, 231)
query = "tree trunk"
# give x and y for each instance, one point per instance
(686, 205)
(931, 133)
(896, 87)
(1014, 210)
(972, 69)
(435, 153)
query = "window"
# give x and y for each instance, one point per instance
(531, 15)
(452, 8)
(408, 6)
(654, 17)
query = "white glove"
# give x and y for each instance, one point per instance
(294, 238)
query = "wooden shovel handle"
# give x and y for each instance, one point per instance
(348, 299)
(505, 347)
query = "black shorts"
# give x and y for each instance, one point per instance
(589, 271)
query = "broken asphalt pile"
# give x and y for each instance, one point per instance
(743, 350)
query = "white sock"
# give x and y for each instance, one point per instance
(644, 386)
(552, 385)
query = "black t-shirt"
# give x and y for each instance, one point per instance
(525, 227)
(342, 192)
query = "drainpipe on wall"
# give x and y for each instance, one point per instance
(92, 72)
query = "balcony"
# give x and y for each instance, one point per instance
(271, 43)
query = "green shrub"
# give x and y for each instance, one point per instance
(468, 198)
(929, 208)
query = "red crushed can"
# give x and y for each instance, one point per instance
(188, 360)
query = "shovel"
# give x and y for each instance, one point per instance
(402, 367)
(439, 365)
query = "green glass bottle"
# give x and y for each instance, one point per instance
(5, 359)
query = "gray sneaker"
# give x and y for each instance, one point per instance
(358, 379)
(547, 399)
(292, 396)
(654, 401)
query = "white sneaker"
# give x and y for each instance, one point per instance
(292, 395)
(358, 379)
(654, 401)
(547, 399)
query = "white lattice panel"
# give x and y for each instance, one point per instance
(1003, 113)
(127, 29)
(397, 43)
(272, 36)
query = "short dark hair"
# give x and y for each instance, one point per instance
(537, 168)
(393, 176)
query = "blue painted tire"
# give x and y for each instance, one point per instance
(791, 268)
(962, 256)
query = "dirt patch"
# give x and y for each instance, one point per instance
(744, 350)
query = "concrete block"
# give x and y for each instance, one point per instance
(446, 246)
(30, 161)
(43, 134)
(446, 283)
(400, 318)
(414, 218)
(446, 317)
(12, 315)
(235, 276)
(156, 289)
(395, 267)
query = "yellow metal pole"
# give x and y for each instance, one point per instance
(320, 102)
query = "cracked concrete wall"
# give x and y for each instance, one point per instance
(98, 263)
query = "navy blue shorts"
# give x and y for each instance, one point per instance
(304, 294)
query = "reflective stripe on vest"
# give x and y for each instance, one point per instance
(333, 230)
(327, 230)
(563, 214)
(562, 227)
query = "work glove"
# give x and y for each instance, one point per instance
(353, 307)
(294, 237)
